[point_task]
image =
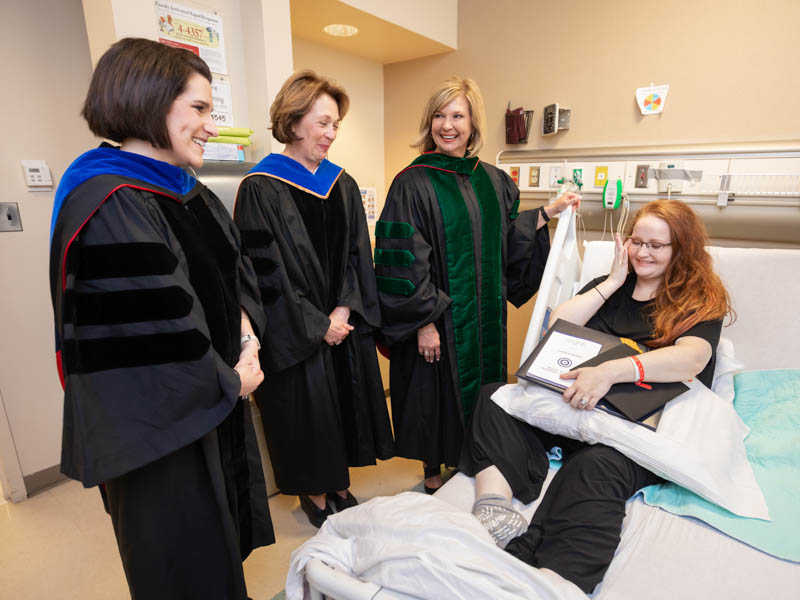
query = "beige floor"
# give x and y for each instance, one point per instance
(59, 544)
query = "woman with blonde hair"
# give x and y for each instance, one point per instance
(303, 225)
(452, 248)
(671, 301)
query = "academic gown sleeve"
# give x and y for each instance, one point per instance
(295, 326)
(407, 244)
(250, 294)
(141, 378)
(359, 291)
(527, 246)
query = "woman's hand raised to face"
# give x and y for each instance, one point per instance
(619, 268)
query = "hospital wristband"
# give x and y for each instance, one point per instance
(639, 373)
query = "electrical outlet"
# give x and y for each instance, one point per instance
(533, 176)
(555, 175)
(641, 176)
(600, 176)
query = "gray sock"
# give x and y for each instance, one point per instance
(499, 518)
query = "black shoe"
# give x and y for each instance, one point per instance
(342, 503)
(316, 515)
(431, 472)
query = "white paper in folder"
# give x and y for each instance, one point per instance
(561, 353)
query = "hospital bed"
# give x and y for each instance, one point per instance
(661, 555)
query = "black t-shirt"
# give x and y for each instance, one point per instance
(623, 316)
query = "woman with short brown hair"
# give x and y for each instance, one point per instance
(304, 227)
(296, 97)
(157, 317)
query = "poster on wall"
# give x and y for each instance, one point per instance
(368, 195)
(223, 105)
(196, 30)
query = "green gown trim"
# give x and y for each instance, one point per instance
(478, 337)
(394, 258)
(395, 285)
(393, 229)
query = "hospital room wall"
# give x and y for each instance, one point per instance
(45, 86)
(727, 63)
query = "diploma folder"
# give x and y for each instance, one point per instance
(606, 341)
(626, 400)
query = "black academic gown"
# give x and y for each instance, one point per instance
(147, 289)
(323, 407)
(427, 408)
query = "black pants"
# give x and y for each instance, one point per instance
(576, 529)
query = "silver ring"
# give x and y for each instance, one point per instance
(583, 402)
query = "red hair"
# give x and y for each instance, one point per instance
(691, 291)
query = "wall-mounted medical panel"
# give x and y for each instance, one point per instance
(743, 191)
(543, 176)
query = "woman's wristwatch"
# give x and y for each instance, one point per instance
(247, 338)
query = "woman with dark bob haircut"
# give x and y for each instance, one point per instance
(304, 227)
(157, 318)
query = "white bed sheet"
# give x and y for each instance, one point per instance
(415, 544)
(662, 556)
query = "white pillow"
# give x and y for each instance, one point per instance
(699, 443)
(727, 366)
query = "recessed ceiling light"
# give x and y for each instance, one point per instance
(340, 30)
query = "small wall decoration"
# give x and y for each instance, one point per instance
(652, 99)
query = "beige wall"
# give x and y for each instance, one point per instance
(45, 87)
(729, 65)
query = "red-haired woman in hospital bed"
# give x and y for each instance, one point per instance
(673, 302)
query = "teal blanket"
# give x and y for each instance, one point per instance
(769, 404)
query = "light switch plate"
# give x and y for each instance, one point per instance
(555, 175)
(9, 217)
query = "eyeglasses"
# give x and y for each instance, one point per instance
(654, 246)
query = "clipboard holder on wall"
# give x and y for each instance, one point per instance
(518, 125)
